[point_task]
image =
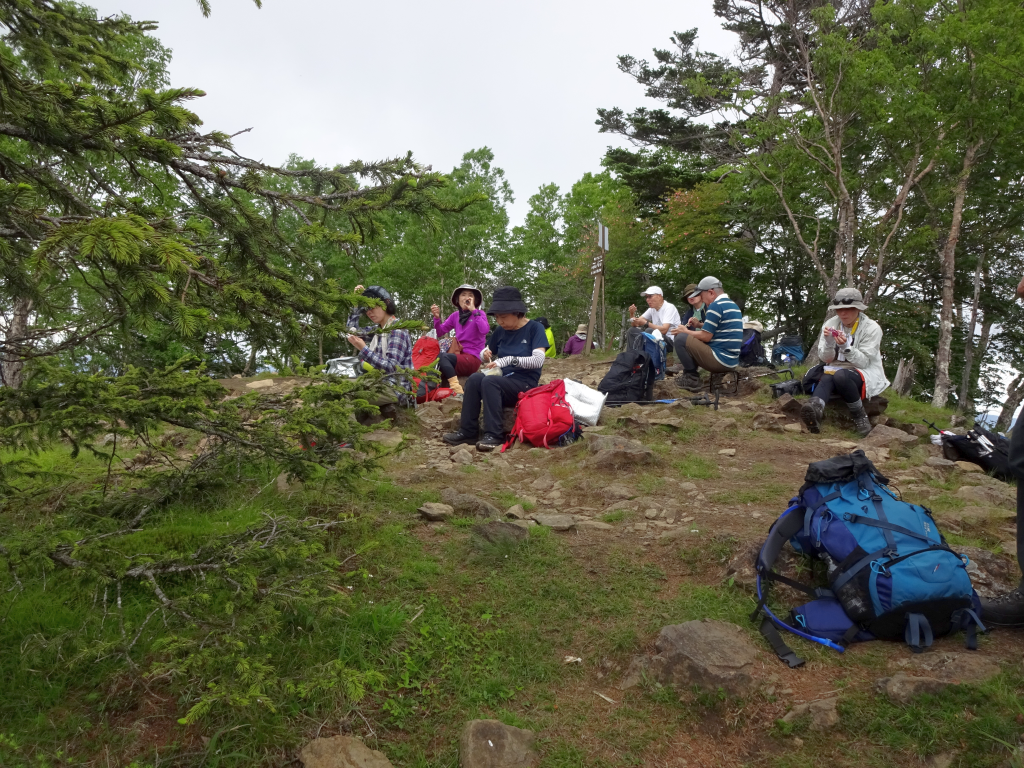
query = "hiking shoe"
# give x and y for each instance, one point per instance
(861, 423)
(489, 443)
(690, 381)
(811, 414)
(674, 369)
(1004, 611)
(458, 438)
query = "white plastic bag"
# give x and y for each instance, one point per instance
(586, 402)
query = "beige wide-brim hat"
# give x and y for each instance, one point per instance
(848, 298)
(581, 328)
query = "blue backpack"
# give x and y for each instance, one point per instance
(891, 573)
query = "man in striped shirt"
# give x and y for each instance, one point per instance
(715, 346)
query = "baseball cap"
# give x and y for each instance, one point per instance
(706, 284)
(653, 291)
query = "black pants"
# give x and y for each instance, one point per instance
(1017, 468)
(446, 364)
(844, 382)
(496, 393)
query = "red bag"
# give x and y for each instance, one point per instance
(424, 352)
(543, 417)
(437, 393)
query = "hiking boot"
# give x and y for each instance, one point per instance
(690, 381)
(861, 423)
(489, 443)
(674, 369)
(458, 438)
(1004, 611)
(811, 414)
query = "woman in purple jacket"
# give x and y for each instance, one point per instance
(577, 342)
(471, 329)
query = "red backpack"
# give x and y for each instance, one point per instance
(543, 418)
(425, 353)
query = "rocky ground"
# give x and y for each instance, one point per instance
(662, 480)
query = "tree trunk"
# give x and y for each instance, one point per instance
(942, 356)
(1014, 396)
(12, 362)
(964, 404)
(250, 364)
(904, 380)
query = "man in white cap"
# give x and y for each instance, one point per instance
(715, 346)
(660, 315)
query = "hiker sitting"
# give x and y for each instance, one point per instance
(850, 350)
(578, 341)
(388, 352)
(513, 359)
(694, 316)
(462, 358)
(552, 348)
(715, 346)
(660, 315)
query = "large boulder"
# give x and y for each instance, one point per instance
(991, 575)
(497, 532)
(709, 654)
(932, 672)
(492, 744)
(554, 522)
(341, 752)
(615, 452)
(985, 495)
(436, 512)
(883, 436)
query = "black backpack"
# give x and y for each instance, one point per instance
(988, 450)
(630, 379)
(752, 351)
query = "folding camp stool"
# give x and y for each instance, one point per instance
(729, 384)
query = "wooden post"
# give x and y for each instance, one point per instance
(593, 315)
(604, 316)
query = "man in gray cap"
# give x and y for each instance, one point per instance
(715, 346)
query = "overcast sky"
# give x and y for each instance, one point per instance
(337, 80)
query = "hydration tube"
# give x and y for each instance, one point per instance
(781, 624)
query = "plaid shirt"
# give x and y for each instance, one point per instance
(398, 354)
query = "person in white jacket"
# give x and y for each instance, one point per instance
(850, 348)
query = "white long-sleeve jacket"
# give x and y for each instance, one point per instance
(864, 353)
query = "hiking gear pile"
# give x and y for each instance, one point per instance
(788, 350)
(890, 572)
(989, 450)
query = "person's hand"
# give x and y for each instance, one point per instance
(1020, 289)
(489, 365)
(487, 355)
(632, 309)
(358, 289)
(435, 311)
(466, 302)
(693, 322)
(356, 342)
(839, 336)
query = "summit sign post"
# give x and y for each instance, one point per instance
(597, 270)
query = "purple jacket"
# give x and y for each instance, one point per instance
(574, 346)
(471, 336)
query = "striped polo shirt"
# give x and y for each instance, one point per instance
(724, 322)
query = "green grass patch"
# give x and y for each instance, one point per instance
(615, 517)
(696, 467)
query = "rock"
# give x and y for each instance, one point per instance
(722, 424)
(515, 512)
(341, 752)
(635, 672)
(435, 512)
(284, 485)
(917, 430)
(616, 491)
(823, 713)
(901, 688)
(727, 452)
(468, 504)
(992, 575)
(261, 384)
(676, 533)
(770, 421)
(987, 496)
(652, 514)
(554, 522)
(709, 654)
(793, 428)
(615, 452)
(386, 438)
(883, 436)
(497, 531)
(939, 463)
(462, 457)
(542, 484)
(957, 420)
(943, 760)
(968, 468)
(877, 455)
(492, 744)
(593, 525)
(952, 666)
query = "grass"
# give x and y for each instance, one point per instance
(696, 467)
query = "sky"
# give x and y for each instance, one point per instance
(336, 80)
